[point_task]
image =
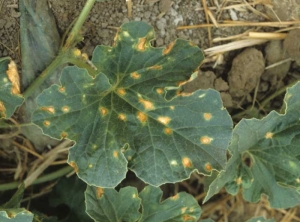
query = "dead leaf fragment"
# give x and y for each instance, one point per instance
(13, 76)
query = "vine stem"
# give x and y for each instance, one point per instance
(265, 101)
(65, 54)
(48, 177)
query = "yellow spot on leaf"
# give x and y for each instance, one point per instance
(129, 158)
(46, 123)
(62, 89)
(205, 140)
(141, 44)
(103, 111)
(298, 180)
(122, 117)
(269, 135)
(116, 153)
(95, 146)
(202, 95)
(168, 48)
(207, 116)
(186, 162)
(172, 107)
(147, 104)
(142, 117)
(239, 181)
(160, 91)
(121, 91)
(99, 192)
(185, 94)
(63, 134)
(183, 210)
(66, 109)
(173, 163)
(90, 165)
(49, 109)
(175, 197)
(125, 33)
(13, 76)
(164, 119)
(168, 131)
(134, 196)
(2, 110)
(135, 75)
(74, 165)
(187, 217)
(208, 167)
(156, 67)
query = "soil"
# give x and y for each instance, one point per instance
(241, 76)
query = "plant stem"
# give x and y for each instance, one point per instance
(265, 101)
(78, 24)
(48, 177)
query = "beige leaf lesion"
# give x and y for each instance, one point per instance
(13, 76)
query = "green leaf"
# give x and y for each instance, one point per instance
(110, 205)
(181, 207)
(120, 118)
(9, 100)
(16, 215)
(260, 219)
(266, 157)
(15, 200)
(71, 192)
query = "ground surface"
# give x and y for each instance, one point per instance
(239, 75)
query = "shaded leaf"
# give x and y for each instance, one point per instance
(266, 157)
(120, 118)
(110, 205)
(181, 207)
(15, 200)
(71, 192)
(9, 99)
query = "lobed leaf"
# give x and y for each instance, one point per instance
(266, 157)
(110, 205)
(121, 119)
(10, 97)
(181, 207)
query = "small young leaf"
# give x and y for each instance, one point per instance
(266, 157)
(110, 205)
(10, 97)
(16, 215)
(120, 118)
(181, 207)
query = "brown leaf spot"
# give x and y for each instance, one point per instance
(2, 110)
(141, 44)
(205, 140)
(156, 67)
(207, 116)
(147, 104)
(116, 154)
(160, 91)
(99, 192)
(269, 135)
(168, 131)
(180, 83)
(49, 109)
(135, 75)
(121, 91)
(208, 167)
(63, 134)
(168, 48)
(175, 197)
(186, 162)
(13, 76)
(142, 117)
(103, 111)
(122, 116)
(74, 165)
(46, 123)
(164, 119)
(62, 89)
(187, 217)
(65, 109)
